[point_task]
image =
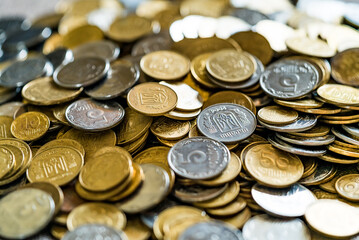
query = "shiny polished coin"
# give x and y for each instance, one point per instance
(104, 49)
(30, 126)
(231, 65)
(5, 126)
(65, 165)
(266, 227)
(154, 188)
(226, 122)
(342, 135)
(285, 202)
(198, 151)
(109, 167)
(165, 65)
(44, 91)
(303, 123)
(18, 223)
(81, 35)
(300, 103)
(197, 193)
(305, 141)
(324, 172)
(121, 76)
(62, 142)
(94, 232)
(277, 115)
(339, 94)
(7, 161)
(100, 213)
(347, 185)
(152, 99)
(230, 97)
(236, 206)
(337, 158)
(320, 217)
(264, 163)
(311, 47)
(82, 72)
(285, 80)
(198, 70)
(349, 152)
(341, 72)
(351, 129)
(90, 115)
(169, 129)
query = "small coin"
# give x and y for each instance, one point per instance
(8, 109)
(300, 103)
(82, 72)
(104, 49)
(316, 131)
(134, 146)
(226, 122)
(277, 115)
(305, 141)
(30, 126)
(81, 35)
(341, 72)
(151, 43)
(207, 158)
(337, 158)
(342, 135)
(324, 172)
(94, 232)
(346, 186)
(353, 130)
(169, 129)
(7, 161)
(302, 123)
(152, 99)
(90, 115)
(239, 219)
(339, 94)
(18, 223)
(234, 207)
(165, 65)
(149, 217)
(60, 56)
(311, 47)
(198, 70)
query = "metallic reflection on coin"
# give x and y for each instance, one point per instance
(303, 123)
(149, 217)
(104, 49)
(60, 56)
(95, 232)
(284, 202)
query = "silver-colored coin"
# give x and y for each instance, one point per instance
(344, 136)
(284, 202)
(13, 52)
(289, 79)
(197, 193)
(264, 227)
(209, 230)
(121, 77)
(151, 44)
(305, 141)
(91, 115)
(250, 16)
(30, 37)
(299, 150)
(6, 96)
(103, 49)
(21, 72)
(226, 122)
(198, 158)
(60, 56)
(323, 170)
(82, 72)
(149, 217)
(303, 123)
(351, 129)
(95, 232)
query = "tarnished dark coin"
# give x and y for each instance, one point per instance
(60, 56)
(95, 232)
(82, 72)
(90, 115)
(210, 230)
(284, 202)
(121, 77)
(151, 44)
(306, 141)
(226, 122)
(21, 72)
(289, 79)
(198, 158)
(197, 193)
(103, 49)
(30, 37)
(303, 123)
(324, 172)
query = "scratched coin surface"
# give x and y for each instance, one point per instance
(226, 122)
(91, 115)
(347, 186)
(289, 79)
(19, 209)
(94, 232)
(30, 126)
(198, 158)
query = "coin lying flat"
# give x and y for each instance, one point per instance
(104, 49)
(339, 94)
(170, 129)
(30, 126)
(346, 186)
(81, 35)
(302, 123)
(324, 172)
(311, 47)
(300, 103)
(198, 158)
(90, 115)
(277, 115)
(62, 142)
(94, 232)
(197, 193)
(230, 97)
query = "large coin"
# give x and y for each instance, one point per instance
(90, 115)
(339, 94)
(198, 158)
(344, 68)
(226, 122)
(94, 232)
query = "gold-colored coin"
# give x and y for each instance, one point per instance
(198, 70)
(223, 199)
(58, 232)
(230, 209)
(70, 22)
(169, 129)
(310, 164)
(152, 99)
(30, 126)
(7, 161)
(350, 152)
(202, 91)
(168, 143)
(132, 147)
(44, 91)
(239, 219)
(50, 20)
(347, 187)
(316, 131)
(311, 47)
(178, 223)
(344, 144)
(300, 103)
(320, 111)
(265, 163)
(133, 126)
(53, 42)
(339, 94)
(165, 65)
(182, 116)
(57, 165)
(339, 122)
(109, 167)
(231, 65)
(277, 115)
(5, 126)
(136, 230)
(101, 213)
(61, 218)
(62, 143)
(81, 35)
(344, 67)
(59, 113)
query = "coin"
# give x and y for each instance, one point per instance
(230, 97)
(226, 122)
(339, 94)
(18, 223)
(311, 47)
(198, 70)
(199, 152)
(135, 229)
(239, 219)
(183, 116)
(346, 187)
(5, 126)
(82, 72)
(305, 141)
(337, 158)
(320, 214)
(300, 103)
(277, 115)
(170, 129)
(60, 56)
(345, 136)
(349, 152)
(7, 161)
(151, 44)
(160, 65)
(30, 126)
(149, 217)
(316, 131)
(285, 80)
(340, 70)
(109, 167)
(324, 172)
(197, 193)
(8, 109)
(104, 49)
(302, 123)
(136, 145)
(62, 142)
(234, 207)
(152, 99)
(93, 232)
(81, 35)
(264, 163)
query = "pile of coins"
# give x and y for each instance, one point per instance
(142, 125)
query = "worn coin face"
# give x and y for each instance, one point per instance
(226, 122)
(198, 158)
(347, 186)
(94, 232)
(152, 99)
(170, 129)
(19, 209)
(90, 115)
(230, 97)
(289, 79)
(343, 68)
(339, 94)
(30, 126)
(104, 49)
(277, 115)
(82, 72)
(302, 123)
